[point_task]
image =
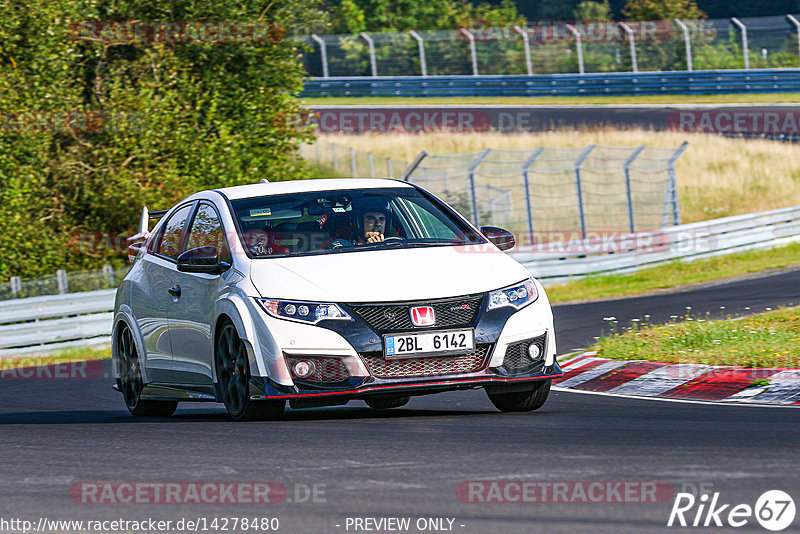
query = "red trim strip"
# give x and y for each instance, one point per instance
(396, 386)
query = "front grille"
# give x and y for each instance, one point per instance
(380, 367)
(517, 356)
(326, 369)
(385, 318)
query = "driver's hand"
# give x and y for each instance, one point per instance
(373, 237)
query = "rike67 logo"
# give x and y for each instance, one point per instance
(774, 510)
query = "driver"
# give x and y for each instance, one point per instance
(260, 243)
(373, 218)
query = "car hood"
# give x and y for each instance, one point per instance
(386, 275)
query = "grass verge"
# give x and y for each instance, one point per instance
(764, 340)
(77, 354)
(676, 274)
(774, 98)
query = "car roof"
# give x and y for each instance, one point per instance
(302, 186)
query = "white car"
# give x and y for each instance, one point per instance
(323, 291)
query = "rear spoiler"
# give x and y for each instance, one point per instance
(136, 241)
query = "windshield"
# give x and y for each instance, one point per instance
(322, 222)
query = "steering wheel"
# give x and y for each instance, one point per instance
(394, 238)
(339, 243)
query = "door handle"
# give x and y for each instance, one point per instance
(175, 291)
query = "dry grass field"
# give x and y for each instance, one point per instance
(717, 176)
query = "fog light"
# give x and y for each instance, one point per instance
(534, 351)
(303, 369)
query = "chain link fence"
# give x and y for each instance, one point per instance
(560, 47)
(551, 194)
(351, 163)
(62, 282)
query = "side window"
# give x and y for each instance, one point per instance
(431, 224)
(207, 230)
(174, 230)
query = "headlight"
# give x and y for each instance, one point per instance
(304, 312)
(517, 296)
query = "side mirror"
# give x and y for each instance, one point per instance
(201, 260)
(502, 239)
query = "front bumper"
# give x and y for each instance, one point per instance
(361, 387)
(361, 371)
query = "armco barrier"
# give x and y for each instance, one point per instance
(42, 324)
(556, 263)
(595, 84)
(49, 323)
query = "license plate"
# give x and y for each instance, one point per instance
(428, 344)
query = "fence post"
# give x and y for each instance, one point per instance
(423, 64)
(323, 51)
(371, 158)
(335, 159)
(628, 191)
(389, 170)
(632, 42)
(743, 28)
(414, 164)
(108, 271)
(579, 187)
(61, 279)
(578, 46)
(796, 23)
(676, 212)
(471, 180)
(525, 168)
(473, 52)
(353, 162)
(688, 42)
(16, 286)
(371, 45)
(526, 41)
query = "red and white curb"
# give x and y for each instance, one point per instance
(587, 372)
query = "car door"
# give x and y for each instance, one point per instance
(151, 298)
(192, 315)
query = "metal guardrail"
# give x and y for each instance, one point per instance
(596, 84)
(51, 323)
(559, 262)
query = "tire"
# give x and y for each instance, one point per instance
(386, 403)
(233, 380)
(521, 401)
(131, 383)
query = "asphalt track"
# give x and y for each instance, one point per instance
(409, 462)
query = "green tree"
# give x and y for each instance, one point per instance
(176, 118)
(593, 11)
(348, 17)
(662, 10)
